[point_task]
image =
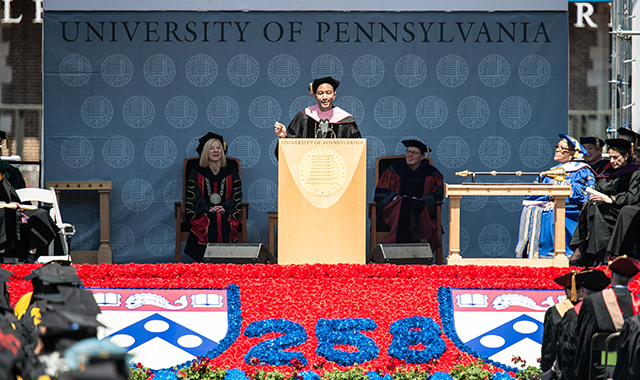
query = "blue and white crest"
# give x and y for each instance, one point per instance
(169, 328)
(494, 325)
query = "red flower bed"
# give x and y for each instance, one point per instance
(305, 293)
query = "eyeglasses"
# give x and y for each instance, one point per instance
(562, 148)
(412, 153)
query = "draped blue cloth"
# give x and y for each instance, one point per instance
(537, 225)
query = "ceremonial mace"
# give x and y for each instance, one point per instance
(558, 174)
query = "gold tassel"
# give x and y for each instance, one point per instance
(574, 292)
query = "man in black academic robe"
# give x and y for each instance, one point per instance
(406, 196)
(596, 316)
(12, 173)
(628, 362)
(323, 120)
(560, 320)
(22, 230)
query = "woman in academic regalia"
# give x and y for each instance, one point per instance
(213, 199)
(619, 186)
(536, 236)
(323, 120)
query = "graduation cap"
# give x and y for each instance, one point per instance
(624, 266)
(54, 273)
(78, 311)
(313, 86)
(210, 135)
(592, 279)
(5, 299)
(417, 144)
(3, 135)
(45, 280)
(574, 144)
(592, 140)
(629, 134)
(621, 144)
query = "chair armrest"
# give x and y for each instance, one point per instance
(245, 227)
(177, 206)
(67, 229)
(373, 207)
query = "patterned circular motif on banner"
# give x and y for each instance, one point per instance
(137, 194)
(389, 112)
(473, 112)
(494, 240)
(159, 70)
(432, 112)
(515, 112)
(223, 112)
(173, 193)
(96, 111)
(263, 195)
(464, 239)
(272, 151)
(243, 70)
(75, 70)
(452, 70)
(535, 152)
(118, 151)
(494, 70)
(327, 65)
(138, 111)
(453, 152)
(352, 105)
(245, 148)
(181, 112)
(534, 70)
(368, 70)
(375, 149)
(76, 151)
(322, 172)
(117, 70)
(191, 147)
(82, 239)
(511, 203)
(201, 70)
(264, 111)
(253, 235)
(122, 239)
(160, 152)
(284, 70)
(300, 103)
(410, 70)
(494, 152)
(473, 203)
(160, 240)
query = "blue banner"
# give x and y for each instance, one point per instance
(127, 95)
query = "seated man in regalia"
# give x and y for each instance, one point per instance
(406, 196)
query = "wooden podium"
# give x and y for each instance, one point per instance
(322, 201)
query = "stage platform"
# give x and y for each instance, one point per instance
(330, 314)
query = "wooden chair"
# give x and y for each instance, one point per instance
(604, 345)
(182, 224)
(380, 230)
